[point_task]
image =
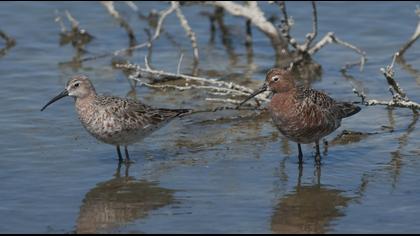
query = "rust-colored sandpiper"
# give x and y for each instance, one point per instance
(114, 120)
(302, 115)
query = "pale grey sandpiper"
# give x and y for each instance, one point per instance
(114, 120)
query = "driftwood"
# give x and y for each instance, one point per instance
(284, 45)
(157, 79)
(220, 91)
(280, 38)
(254, 17)
(399, 97)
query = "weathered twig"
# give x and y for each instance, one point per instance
(413, 38)
(224, 100)
(311, 36)
(252, 12)
(74, 23)
(286, 22)
(132, 5)
(184, 23)
(157, 77)
(178, 70)
(162, 15)
(306, 50)
(109, 5)
(149, 48)
(389, 75)
(331, 38)
(399, 98)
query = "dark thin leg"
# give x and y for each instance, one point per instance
(127, 166)
(317, 154)
(318, 175)
(300, 155)
(120, 159)
(325, 146)
(127, 157)
(117, 171)
(300, 168)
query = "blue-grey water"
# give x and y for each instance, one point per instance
(195, 175)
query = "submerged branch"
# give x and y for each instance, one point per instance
(413, 38)
(399, 98)
(157, 78)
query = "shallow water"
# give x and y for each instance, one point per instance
(196, 175)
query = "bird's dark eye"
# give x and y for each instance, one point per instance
(76, 85)
(275, 79)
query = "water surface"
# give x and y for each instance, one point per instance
(196, 175)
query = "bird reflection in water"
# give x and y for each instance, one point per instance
(308, 209)
(119, 201)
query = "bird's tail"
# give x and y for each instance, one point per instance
(348, 109)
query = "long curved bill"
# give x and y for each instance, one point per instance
(255, 93)
(59, 96)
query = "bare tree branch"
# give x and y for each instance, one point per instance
(132, 5)
(179, 64)
(389, 75)
(286, 24)
(162, 15)
(311, 36)
(158, 77)
(109, 5)
(331, 38)
(188, 30)
(399, 98)
(252, 12)
(413, 38)
(72, 20)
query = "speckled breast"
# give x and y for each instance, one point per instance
(109, 129)
(303, 125)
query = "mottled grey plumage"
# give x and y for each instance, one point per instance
(114, 120)
(122, 121)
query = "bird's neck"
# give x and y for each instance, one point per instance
(85, 106)
(283, 101)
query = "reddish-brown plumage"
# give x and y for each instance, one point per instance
(302, 115)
